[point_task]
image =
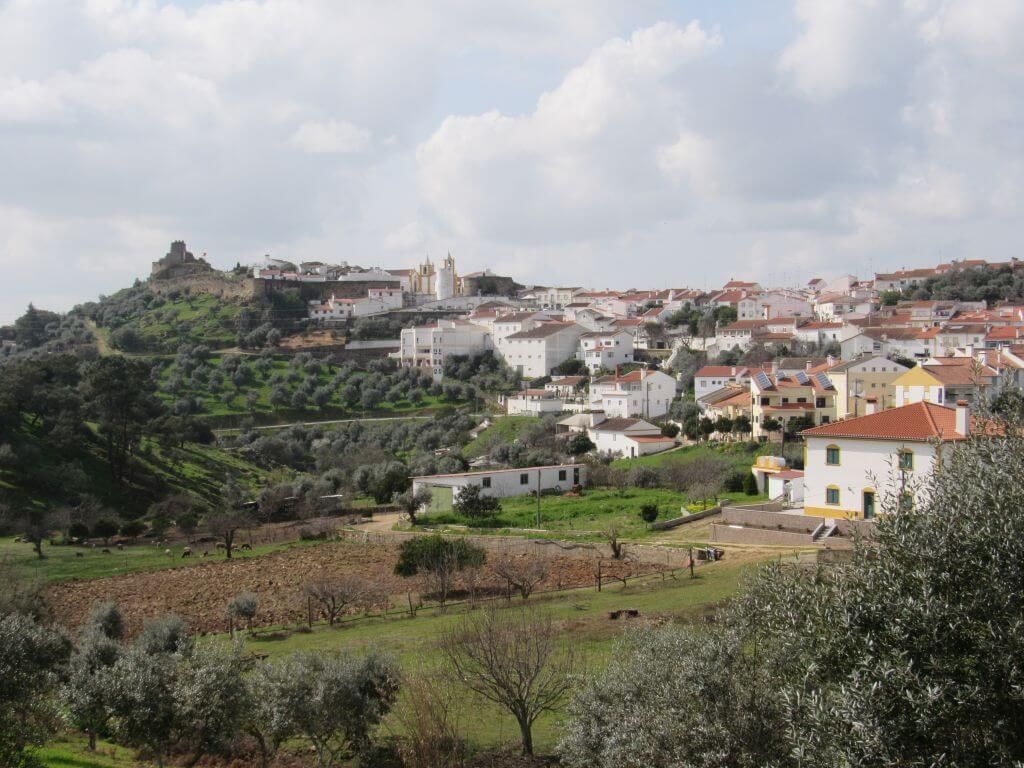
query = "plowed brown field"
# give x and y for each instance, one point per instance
(199, 593)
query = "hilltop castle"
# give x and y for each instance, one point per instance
(178, 262)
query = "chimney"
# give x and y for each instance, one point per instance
(871, 406)
(830, 360)
(733, 371)
(963, 415)
(808, 365)
(775, 367)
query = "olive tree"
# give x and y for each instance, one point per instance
(412, 502)
(675, 697)
(332, 700)
(85, 696)
(211, 699)
(30, 658)
(242, 606)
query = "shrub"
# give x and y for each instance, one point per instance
(471, 503)
(643, 477)
(649, 513)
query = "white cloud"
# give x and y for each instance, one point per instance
(586, 162)
(586, 140)
(335, 137)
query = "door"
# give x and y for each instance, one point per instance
(869, 505)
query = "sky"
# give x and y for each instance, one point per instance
(641, 143)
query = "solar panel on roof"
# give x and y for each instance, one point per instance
(763, 381)
(822, 379)
(801, 378)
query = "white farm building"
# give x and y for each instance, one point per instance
(500, 483)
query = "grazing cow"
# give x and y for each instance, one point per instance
(168, 553)
(105, 551)
(120, 545)
(79, 554)
(246, 547)
(206, 553)
(186, 552)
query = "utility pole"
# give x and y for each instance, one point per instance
(538, 498)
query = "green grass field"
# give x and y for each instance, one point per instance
(590, 514)
(62, 564)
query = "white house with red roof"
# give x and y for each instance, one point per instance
(643, 393)
(852, 466)
(711, 378)
(628, 438)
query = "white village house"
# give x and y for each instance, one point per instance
(500, 483)
(852, 465)
(643, 393)
(606, 349)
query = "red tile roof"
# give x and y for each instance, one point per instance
(917, 422)
(721, 370)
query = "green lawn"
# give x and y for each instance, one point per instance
(70, 752)
(62, 564)
(591, 513)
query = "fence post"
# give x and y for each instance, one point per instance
(599, 574)
(691, 564)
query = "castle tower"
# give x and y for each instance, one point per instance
(445, 283)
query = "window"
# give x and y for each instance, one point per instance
(906, 461)
(832, 456)
(524, 479)
(819, 402)
(765, 401)
(832, 495)
(486, 482)
(801, 399)
(561, 474)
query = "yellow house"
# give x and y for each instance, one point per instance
(955, 378)
(867, 376)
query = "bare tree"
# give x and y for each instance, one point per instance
(524, 573)
(335, 595)
(514, 659)
(611, 535)
(428, 719)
